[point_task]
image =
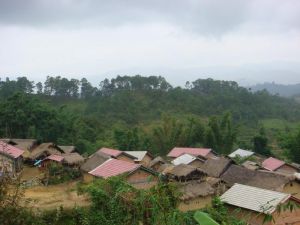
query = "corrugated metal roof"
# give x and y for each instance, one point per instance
(57, 158)
(111, 152)
(241, 153)
(137, 154)
(253, 198)
(176, 152)
(113, 167)
(272, 164)
(184, 159)
(10, 150)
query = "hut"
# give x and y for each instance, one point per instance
(252, 205)
(260, 179)
(27, 145)
(67, 148)
(157, 164)
(73, 159)
(44, 150)
(195, 195)
(142, 157)
(11, 159)
(183, 173)
(217, 166)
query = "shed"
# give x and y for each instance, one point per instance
(183, 173)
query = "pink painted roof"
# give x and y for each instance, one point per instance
(272, 164)
(57, 158)
(176, 152)
(111, 152)
(10, 150)
(113, 167)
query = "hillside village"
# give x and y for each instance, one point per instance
(253, 183)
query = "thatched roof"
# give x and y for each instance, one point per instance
(67, 149)
(45, 149)
(184, 172)
(260, 179)
(250, 165)
(73, 158)
(156, 160)
(216, 167)
(23, 144)
(194, 189)
(94, 161)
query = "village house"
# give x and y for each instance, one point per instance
(135, 174)
(44, 150)
(142, 157)
(24, 144)
(70, 160)
(91, 163)
(262, 179)
(157, 164)
(216, 167)
(198, 152)
(11, 159)
(67, 148)
(195, 195)
(252, 204)
(184, 173)
(276, 165)
(117, 154)
(188, 159)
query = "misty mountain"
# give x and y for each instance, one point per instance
(280, 89)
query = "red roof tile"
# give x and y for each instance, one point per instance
(10, 150)
(272, 164)
(113, 167)
(111, 152)
(57, 158)
(176, 152)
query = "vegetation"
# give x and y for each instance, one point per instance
(144, 113)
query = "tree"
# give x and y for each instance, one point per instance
(291, 142)
(260, 143)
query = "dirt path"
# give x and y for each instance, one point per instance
(53, 196)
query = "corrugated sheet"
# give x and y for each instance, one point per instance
(176, 152)
(57, 158)
(272, 164)
(137, 154)
(256, 199)
(10, 150)
(111, 152)
(183, 159)
(113, 167)
(241, 153)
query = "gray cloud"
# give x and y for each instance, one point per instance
(201, 16)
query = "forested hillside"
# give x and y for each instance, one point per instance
(280, 89)
(136, 113)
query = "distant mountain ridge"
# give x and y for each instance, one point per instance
(289, 90)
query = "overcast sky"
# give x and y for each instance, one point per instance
(244, 40)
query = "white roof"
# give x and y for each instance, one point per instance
(253, 198)
(137, 154)
(183, 159)
(241, 152)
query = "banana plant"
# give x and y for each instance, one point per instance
(204, 219)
